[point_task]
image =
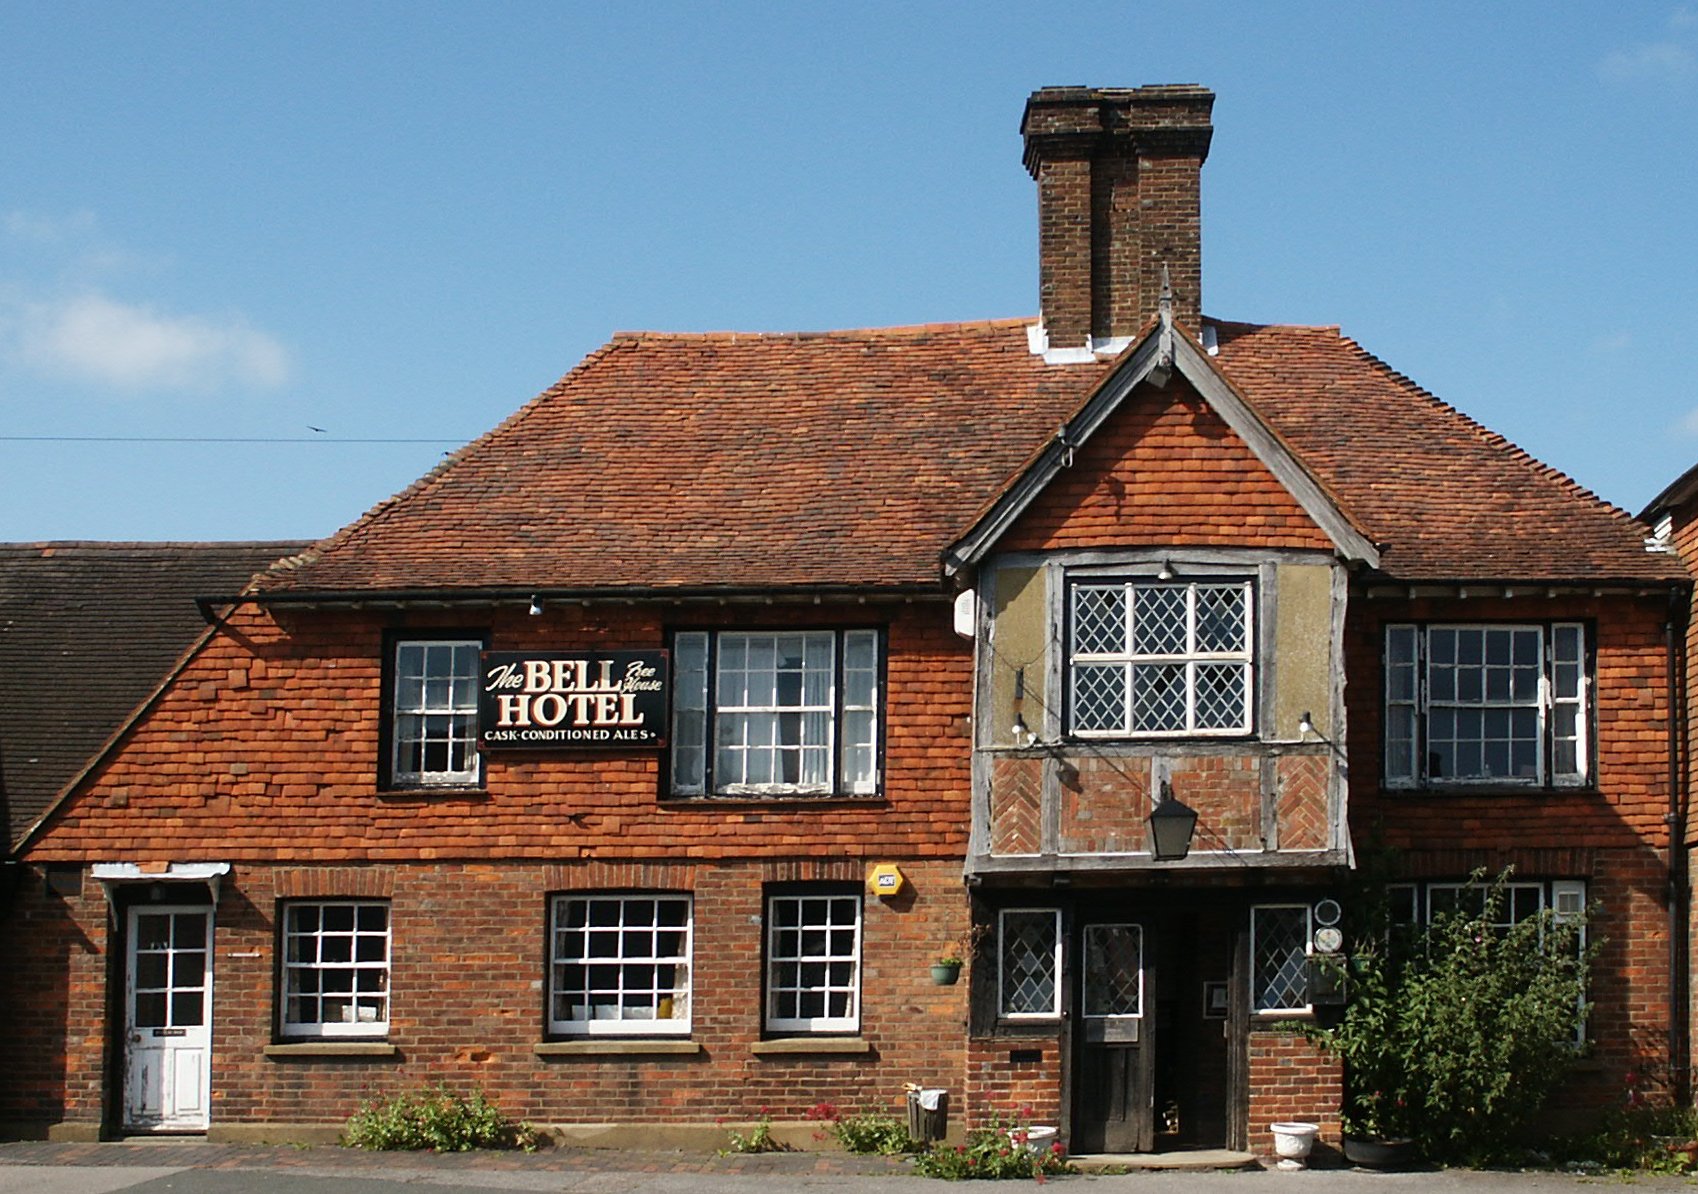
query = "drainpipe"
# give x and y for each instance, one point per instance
(1679, 913)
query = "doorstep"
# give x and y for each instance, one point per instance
(1201, 1158)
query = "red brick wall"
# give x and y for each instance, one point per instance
(1685, 542)
(1290, 1079)
(266, 748)
(999, 1087)
(1613, 836)
(1164, 471)
(468, 975)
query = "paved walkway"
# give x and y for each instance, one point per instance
(193, 1167)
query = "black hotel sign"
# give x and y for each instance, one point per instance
(554, 699)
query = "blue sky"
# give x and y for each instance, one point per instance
(399, 221)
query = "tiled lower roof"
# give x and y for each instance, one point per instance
(87, 631)
(751, 461)
(1444, 497)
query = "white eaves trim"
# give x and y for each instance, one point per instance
(1161, 352)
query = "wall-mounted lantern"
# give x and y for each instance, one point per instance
(1171, 827)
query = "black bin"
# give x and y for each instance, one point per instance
(924, 1125)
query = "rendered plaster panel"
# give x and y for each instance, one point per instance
(1303, 631)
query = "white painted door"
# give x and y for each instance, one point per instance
(168, 1019)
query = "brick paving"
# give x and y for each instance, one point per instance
(194, 1154)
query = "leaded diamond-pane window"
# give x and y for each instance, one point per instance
(1029, 962)
(1114, 970)
(1279, 947)
(1150, 658)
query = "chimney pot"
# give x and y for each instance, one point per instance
(1118, 174)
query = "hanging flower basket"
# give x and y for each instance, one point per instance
(945, 974)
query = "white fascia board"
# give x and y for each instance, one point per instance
(1150, 361)
(976, 543)
(1272, 452)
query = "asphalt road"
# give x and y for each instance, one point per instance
(101, 1169)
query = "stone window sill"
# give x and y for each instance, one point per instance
(332, 1049)
(617, 1048)
(791, 1046)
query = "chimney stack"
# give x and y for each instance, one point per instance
(1118, 198)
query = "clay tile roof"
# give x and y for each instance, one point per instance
(1445, 498)
(87, 631)
(723, 460)
(750, 461)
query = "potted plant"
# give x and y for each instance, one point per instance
(947, 969)
(1455, 1032)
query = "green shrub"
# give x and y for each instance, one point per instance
(884, 1135)
(1630, 1139)
(760, 1140)
(436, 1118)
(1455, 1034)
(993, 1152)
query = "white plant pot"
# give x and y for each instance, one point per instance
(1038, 1138)
(1292, 1142)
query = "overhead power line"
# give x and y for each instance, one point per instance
(217, 439)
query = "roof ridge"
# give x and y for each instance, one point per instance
(1335, 328)
(1495, 439)
(901, 329)
(131, 544)
(375, 515)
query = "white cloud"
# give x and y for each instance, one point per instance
(95, 339)
(29, 226)
(1664, 62)
(1613, 342)
(1689, 423)
(1672, 61)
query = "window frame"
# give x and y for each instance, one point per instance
(1191, 658)
(772, 989)
(1553, 894)
(391, 776)
(1416, 772)
(701, 683)
(287, 969)
(1055, 954)
(1256, 1006)
(592, 1026)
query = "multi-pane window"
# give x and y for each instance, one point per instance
(813, 963)
(336, 968)
(1486, 704)
(1028, 963)
(434, 723)
(1414, 905)
(620, 964)
(1280, 937)
(776, 713)
(1150, 658)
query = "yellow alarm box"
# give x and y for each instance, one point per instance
(884, 879)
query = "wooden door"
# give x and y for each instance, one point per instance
(168, 1019)
(1113, 1088)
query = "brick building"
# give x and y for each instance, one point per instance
(638, 762)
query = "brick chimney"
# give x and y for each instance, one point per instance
(1118, 198)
